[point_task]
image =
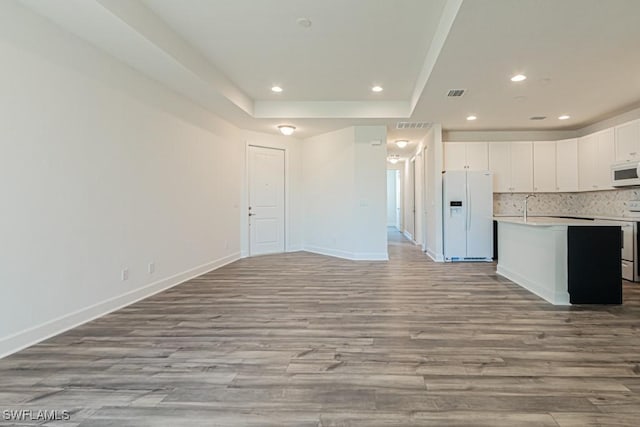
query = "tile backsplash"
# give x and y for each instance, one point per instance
(610, 203)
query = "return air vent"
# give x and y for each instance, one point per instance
(455, 92)
(413, 125)
(537, 118)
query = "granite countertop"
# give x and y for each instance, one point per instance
(546, 221)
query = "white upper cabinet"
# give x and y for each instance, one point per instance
(596, 152)
(455, 156)
(606, 156)
(587, 162)
(477, 156)
(627, 140)
(466, 155)
(512, 166)
(567, 165)
(544, 166)
(500, 166)
(522, 167)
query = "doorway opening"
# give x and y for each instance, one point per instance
(393, 199)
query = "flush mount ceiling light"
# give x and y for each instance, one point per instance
(518, 78)
(393, 159)
(401, 143)
(377, 89)
(564, 117)
(471, 118)
(286, 129)
(276, 89)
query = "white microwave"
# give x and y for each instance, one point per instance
(625, 173)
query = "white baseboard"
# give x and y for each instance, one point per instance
(354, 256)
(532, 287)
(295, 248)
(434, 256)
(370, 256)
(34, 335)
(408, 236)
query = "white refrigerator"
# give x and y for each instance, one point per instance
(468, 215)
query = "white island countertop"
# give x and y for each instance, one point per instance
(547, 221)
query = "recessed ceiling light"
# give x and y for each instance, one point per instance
(564, 117)
(518, 78)
(471, 118)
(276, 89)
(286, 129)
(402, 143)
(377, 89)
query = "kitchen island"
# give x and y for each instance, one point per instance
(563, 260)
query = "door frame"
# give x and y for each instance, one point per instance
(244, 209)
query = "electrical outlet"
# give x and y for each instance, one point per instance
(152, 267)
(125, 274)
(226, 244)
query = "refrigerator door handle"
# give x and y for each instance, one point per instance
(468, 204)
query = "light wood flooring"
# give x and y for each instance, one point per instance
(307, 340)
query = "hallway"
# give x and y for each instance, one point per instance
(301, 339)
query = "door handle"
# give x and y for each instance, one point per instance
(251, 214)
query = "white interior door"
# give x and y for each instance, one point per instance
(266, 200)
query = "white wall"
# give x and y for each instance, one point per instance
(433, 183)
(327, 163)
(370, 237)
(101, 169)
(344, 202)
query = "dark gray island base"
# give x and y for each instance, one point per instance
(594, 275)
(565, 261)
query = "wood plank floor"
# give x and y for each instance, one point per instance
(307, 340)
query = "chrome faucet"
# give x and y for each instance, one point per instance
(526, 204)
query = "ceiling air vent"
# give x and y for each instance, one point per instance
(413, 125)
(455, 92)
(537, 118)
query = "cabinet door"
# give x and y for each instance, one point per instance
(477, 156)
(500, 165)
(522, 167)
(567, 165)
(627, 140)
(587, 161)
(544, 167)
(454, 156)
(606, 156)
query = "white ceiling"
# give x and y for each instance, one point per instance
(581, 58)
(350, 46)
